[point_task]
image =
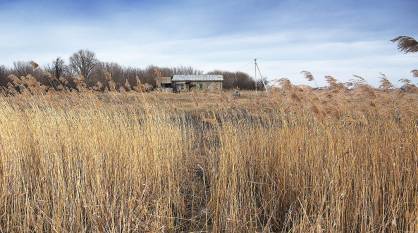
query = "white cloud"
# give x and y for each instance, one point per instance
(206, 40)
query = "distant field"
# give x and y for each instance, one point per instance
(294, 160)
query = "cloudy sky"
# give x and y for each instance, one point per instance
(326, 37)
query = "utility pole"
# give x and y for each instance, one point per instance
(257, 68)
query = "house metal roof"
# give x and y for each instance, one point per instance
(164, 80)
(199, 77)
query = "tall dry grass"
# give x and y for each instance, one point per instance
(291, 161)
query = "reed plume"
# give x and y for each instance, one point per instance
(406, 44)
(308, 75)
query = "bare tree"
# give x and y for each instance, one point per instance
(238, 80)
(21, 68)
(57, 74)
(58, 67)
(116, 72)
(3, 76)
(83, 63)
(185, 70)
(105, 70)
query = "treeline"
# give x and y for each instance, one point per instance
(85, 72)
(239, 80)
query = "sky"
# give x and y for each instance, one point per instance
(325, 37)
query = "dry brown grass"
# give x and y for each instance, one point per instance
(289, 161)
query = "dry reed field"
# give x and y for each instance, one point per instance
(294, 160)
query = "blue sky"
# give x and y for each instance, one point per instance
(326, 37)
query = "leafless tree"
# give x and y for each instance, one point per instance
(185, 70)
(83, 63)
(57, 74)
(21, 68)
(105, 73)
(3, 75)
(116, 72)
(58, 67)
(237, 80)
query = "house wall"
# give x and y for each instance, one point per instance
(197, 86)
(211, 86)
(180, 86)
(163, 82)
